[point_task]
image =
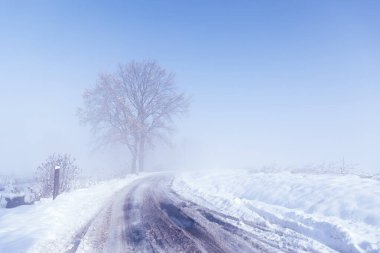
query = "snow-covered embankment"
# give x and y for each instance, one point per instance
(49, 226)
(340, 211)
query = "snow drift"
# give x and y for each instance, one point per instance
(340, 211)
(50, 226)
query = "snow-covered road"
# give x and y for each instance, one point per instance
(198, 211)
(148, 216)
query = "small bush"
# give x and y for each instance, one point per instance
(12, 188)
(69, 173)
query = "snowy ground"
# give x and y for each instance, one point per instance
(339, 211)
(148, 216)
(281, 210)
(49, 226)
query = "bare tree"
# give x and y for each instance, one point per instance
(69, 172)
(133, 106)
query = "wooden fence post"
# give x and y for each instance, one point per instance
(56, 182)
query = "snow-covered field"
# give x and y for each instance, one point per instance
(340, 211)
(49, 226)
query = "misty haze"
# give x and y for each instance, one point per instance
(190, 126)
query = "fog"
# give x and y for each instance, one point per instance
(297, 87)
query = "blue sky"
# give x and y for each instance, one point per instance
(272, 82)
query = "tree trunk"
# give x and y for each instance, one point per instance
(133, 165)
(141, 154)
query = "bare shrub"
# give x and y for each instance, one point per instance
(69, 173)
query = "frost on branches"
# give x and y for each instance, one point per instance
(69, 173)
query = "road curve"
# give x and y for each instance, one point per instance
(148, 216)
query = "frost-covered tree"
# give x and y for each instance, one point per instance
(68, 175)
(133, 106)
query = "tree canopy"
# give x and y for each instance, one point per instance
(134, 106)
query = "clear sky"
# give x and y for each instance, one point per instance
(272, 82)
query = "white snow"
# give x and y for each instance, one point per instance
(340, 211)
(49, 226)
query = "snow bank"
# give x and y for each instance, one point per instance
(341, 211)
(49, 226)
(13, 188)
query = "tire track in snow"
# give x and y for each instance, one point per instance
(148, 216)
